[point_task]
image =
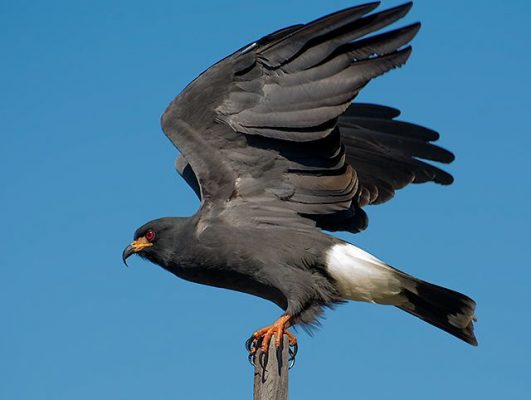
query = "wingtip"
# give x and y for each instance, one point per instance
(401, 10)
(415, 26)
(407, 5)
(405, 53)
(450, 158)
(361, 9)
(444, 179)
(409, 31)
(370, 6)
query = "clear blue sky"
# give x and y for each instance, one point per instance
(84, 163)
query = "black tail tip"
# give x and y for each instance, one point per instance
(446, 309)
(467, 333)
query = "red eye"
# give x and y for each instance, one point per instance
(150, 235)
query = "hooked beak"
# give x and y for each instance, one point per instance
(129, 251)
(134, 248)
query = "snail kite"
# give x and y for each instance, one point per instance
(277, 153)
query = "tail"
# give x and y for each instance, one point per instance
(446, 309)
(360, 276)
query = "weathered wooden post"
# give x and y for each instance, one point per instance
(271, 372)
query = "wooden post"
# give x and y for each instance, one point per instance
(271, 378)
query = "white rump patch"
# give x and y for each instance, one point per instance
(362, 277)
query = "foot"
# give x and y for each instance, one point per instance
(262, 337)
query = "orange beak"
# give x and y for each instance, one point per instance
(135, 246)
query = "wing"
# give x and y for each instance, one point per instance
(269, 128)
(386, 153)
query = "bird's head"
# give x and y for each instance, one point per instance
(153, 240)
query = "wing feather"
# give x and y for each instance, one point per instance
(270, 131)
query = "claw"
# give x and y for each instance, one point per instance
(262, 337)
(263, 358)
(249, 344)
(293, 349)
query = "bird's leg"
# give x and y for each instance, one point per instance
(262, 337)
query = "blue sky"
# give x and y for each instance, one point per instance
(84, 163)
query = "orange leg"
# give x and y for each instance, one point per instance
(263, 336)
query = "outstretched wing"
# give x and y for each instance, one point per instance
(264, 129)
(386, 153)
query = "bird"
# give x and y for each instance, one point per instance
(280, 156)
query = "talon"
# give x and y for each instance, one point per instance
(292, 338)
(251, 344)
(262, 337)
(263, 358)
(295, 349)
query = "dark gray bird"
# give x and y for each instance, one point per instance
(273, 147)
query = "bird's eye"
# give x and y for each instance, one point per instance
(150, 235)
